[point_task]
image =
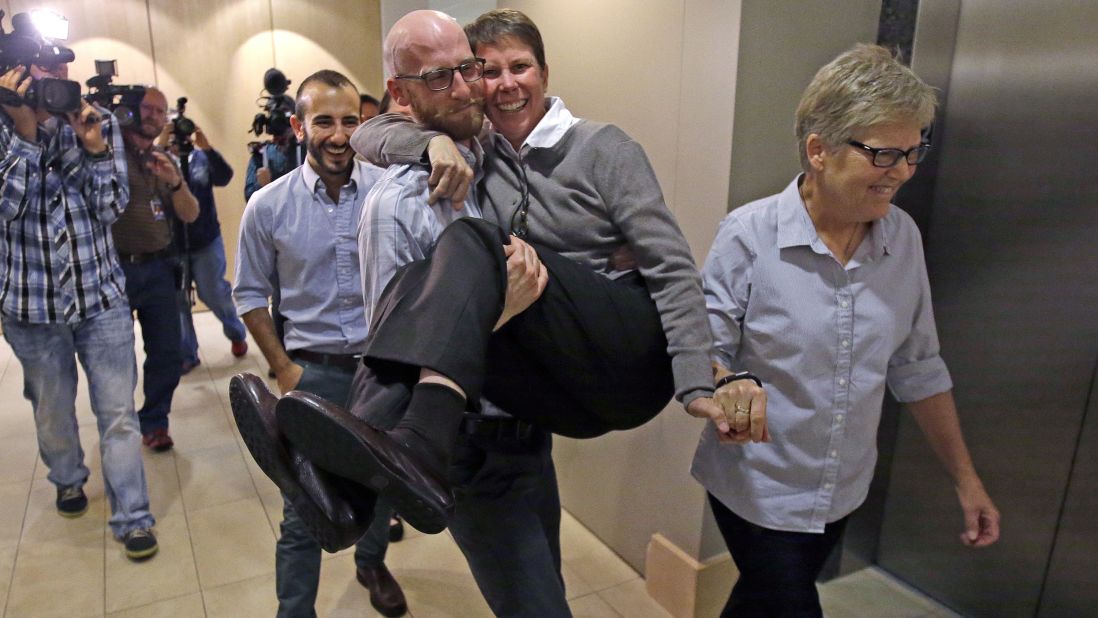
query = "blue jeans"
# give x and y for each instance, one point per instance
(297, 555)
(507, 523)
(104, 345)
(150, 286)
(207, 268)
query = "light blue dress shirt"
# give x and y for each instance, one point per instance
(825, 340)
(294, 236)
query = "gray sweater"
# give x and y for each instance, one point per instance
(590, 193)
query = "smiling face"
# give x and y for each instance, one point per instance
(154, 113)
(331, 116)
(850, 188)
(515, 87)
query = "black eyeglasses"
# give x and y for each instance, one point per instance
(887, 157)
(441, 79)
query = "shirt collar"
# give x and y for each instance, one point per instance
(553, 125)
(795, 227)
(314, 185)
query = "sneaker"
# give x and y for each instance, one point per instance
(188, 366)
(71, 501)
(240, 348)
(140, 544)
(158, 440)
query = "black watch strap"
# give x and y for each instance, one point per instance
(743, 375)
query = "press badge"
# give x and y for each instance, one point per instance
(157, 209)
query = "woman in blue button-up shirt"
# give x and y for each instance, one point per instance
(821, 291)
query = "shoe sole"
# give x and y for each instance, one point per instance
(71, 514)
(271, 461)
(143, 554)
(333, 447)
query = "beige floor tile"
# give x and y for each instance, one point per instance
(169, 574)
(194, 396)
(42, 523)
(588, 559)
(13, 506)
(16, 418)
(213, 476)
(263, 485)
(7, 564)
(44, 568)
(591, 606)
(861, 594)
(202, 427)
(17, 458)
(272, 505)
(162, 480)
(232, 542)
(574, 587)
(250, 598)
(435, 578)
(187, 606)
(906, 593)
(340, 593)
(631, 599)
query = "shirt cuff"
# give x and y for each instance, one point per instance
(244, 305)
(920, 379)
(693, 375)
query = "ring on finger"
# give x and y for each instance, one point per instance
(742, 409)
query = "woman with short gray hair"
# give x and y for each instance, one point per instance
(821, 291)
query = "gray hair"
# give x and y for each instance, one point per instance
(863, 87)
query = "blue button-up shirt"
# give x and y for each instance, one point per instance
(825, 340)
(294, 236)
(57, 258)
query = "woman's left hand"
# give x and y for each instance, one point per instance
(744, 406)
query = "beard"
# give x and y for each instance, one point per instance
(461, 122)
(317, 152)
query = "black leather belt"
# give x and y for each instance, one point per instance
(497, 428)
(346, 362)
(141, 258)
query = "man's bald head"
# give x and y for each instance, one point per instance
(414, 36)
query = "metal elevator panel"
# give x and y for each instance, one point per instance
(1012, 249)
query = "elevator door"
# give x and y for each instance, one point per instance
(1012, 248)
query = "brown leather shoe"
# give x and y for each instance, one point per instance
(385, 593)
(332, 516)
(347, 447)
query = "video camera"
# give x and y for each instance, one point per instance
(25, 46)
(277, 106)
(123, 101)
(182, 127)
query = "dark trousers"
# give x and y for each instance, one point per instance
(507, 523)
(588, 357)
(778, 569)
(151, 289)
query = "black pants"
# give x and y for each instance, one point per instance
(588, 357)
(778, 569)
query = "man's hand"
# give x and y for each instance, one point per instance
(526, 279)
(88, 128)
(705, 407)
(743, 404)
(263, 176)
(288, 377)
(450, 172)
(161, 166)
(623, 258)
(23, 116)
(201, 141)
(981, 516)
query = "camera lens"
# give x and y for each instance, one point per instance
(184, 126)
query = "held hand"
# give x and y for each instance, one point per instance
(18, 80)
(161, 167)
(981, 516)
(744, 405)
(450, 173)
(704, 407)
(88, 128)
(526, 279)
(623, 259)
(263, 176)
(289, 377)
(200, 139)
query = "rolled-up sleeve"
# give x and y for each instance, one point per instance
(916, 370)
(255, 261)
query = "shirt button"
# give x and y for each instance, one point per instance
(842, 381)
(844, 304)
(838, 418)
(834, 454)
(828, 485)
(846, 343)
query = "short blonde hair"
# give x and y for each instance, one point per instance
(863, 87)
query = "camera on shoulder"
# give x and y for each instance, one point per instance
(26, 46)
(123, 101)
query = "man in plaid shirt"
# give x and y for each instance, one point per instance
(62, 184)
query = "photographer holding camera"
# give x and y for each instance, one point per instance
(62, 184)
(143, 236)
(272, 159)
(201, 246)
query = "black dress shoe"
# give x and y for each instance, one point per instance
(346, 446)
(385, 593)
(335, 522)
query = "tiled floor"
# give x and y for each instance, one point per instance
(218, 517)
